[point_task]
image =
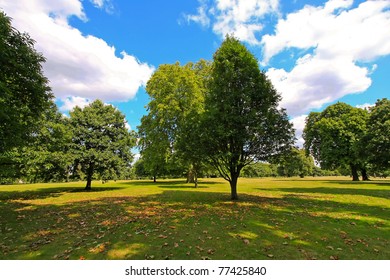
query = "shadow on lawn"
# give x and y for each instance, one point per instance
(171, 184)
(192, 225)
(42, 193)
(336, 191)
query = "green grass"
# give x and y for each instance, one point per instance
(325, 218)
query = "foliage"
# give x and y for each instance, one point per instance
(258, 170)
(296, 163)
(24, 90)
(334, 137)
(377, 139)
(166, 134)
(101, 143)
(242, 123)
(46, 157)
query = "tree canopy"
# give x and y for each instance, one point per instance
(242, 122)
(377, 141)
(334, 137)
(101, 143)
(177, 99)
(24, 90)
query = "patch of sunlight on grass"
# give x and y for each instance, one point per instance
(349, 216)
(75, 215)
(301, 242)
(244, 234)
(124, 251)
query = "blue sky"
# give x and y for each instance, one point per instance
(316, 52)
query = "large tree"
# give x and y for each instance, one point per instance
(334, 137)
(176, 101)
(101, 143)
(377, 140)
(24, 90)
(242, 122)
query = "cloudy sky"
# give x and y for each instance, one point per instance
(315, 52)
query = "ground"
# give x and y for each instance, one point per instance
(311, 218)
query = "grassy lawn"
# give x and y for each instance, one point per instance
(325, 218)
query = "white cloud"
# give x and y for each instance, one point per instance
(365, 106)
(239, 17)
(299, 125)
(77, 65)
(201, 17)
(103, 4)
(72, 101)
(314, 82)
(339, 37)
(127, 126)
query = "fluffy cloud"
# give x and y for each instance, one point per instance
(340, 37)
(70, 102)
(79, 67)
(299, 124)
(238, 17)
(365, 106)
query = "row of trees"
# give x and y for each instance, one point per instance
(37, 143)
(344, 136)
(93, 143)
(222, 114)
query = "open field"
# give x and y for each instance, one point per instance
(312, 218)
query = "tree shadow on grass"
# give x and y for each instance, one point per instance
(335, 191)
(193, 225)
(42, 193)
(168, 183)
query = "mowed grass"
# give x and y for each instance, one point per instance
(324, 218)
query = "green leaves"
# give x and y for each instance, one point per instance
(241, 123)
(334, 137)
(25, 93)
(100, 141)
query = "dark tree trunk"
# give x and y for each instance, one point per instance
(233, 187)
(89, 176)
(355, 175)
(154, 179)
(89, 183)
(365, 175)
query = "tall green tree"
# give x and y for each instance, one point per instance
(167, 133)
(242, 122)
(377, 141)
(334, 137)
(24, 90)
(101, 144)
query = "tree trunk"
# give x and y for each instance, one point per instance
(196, 178)
(89, 176)
(190, 175)
(355, 175)
(154, 179)
(365, 175)
(233, 187)
(89, 183)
